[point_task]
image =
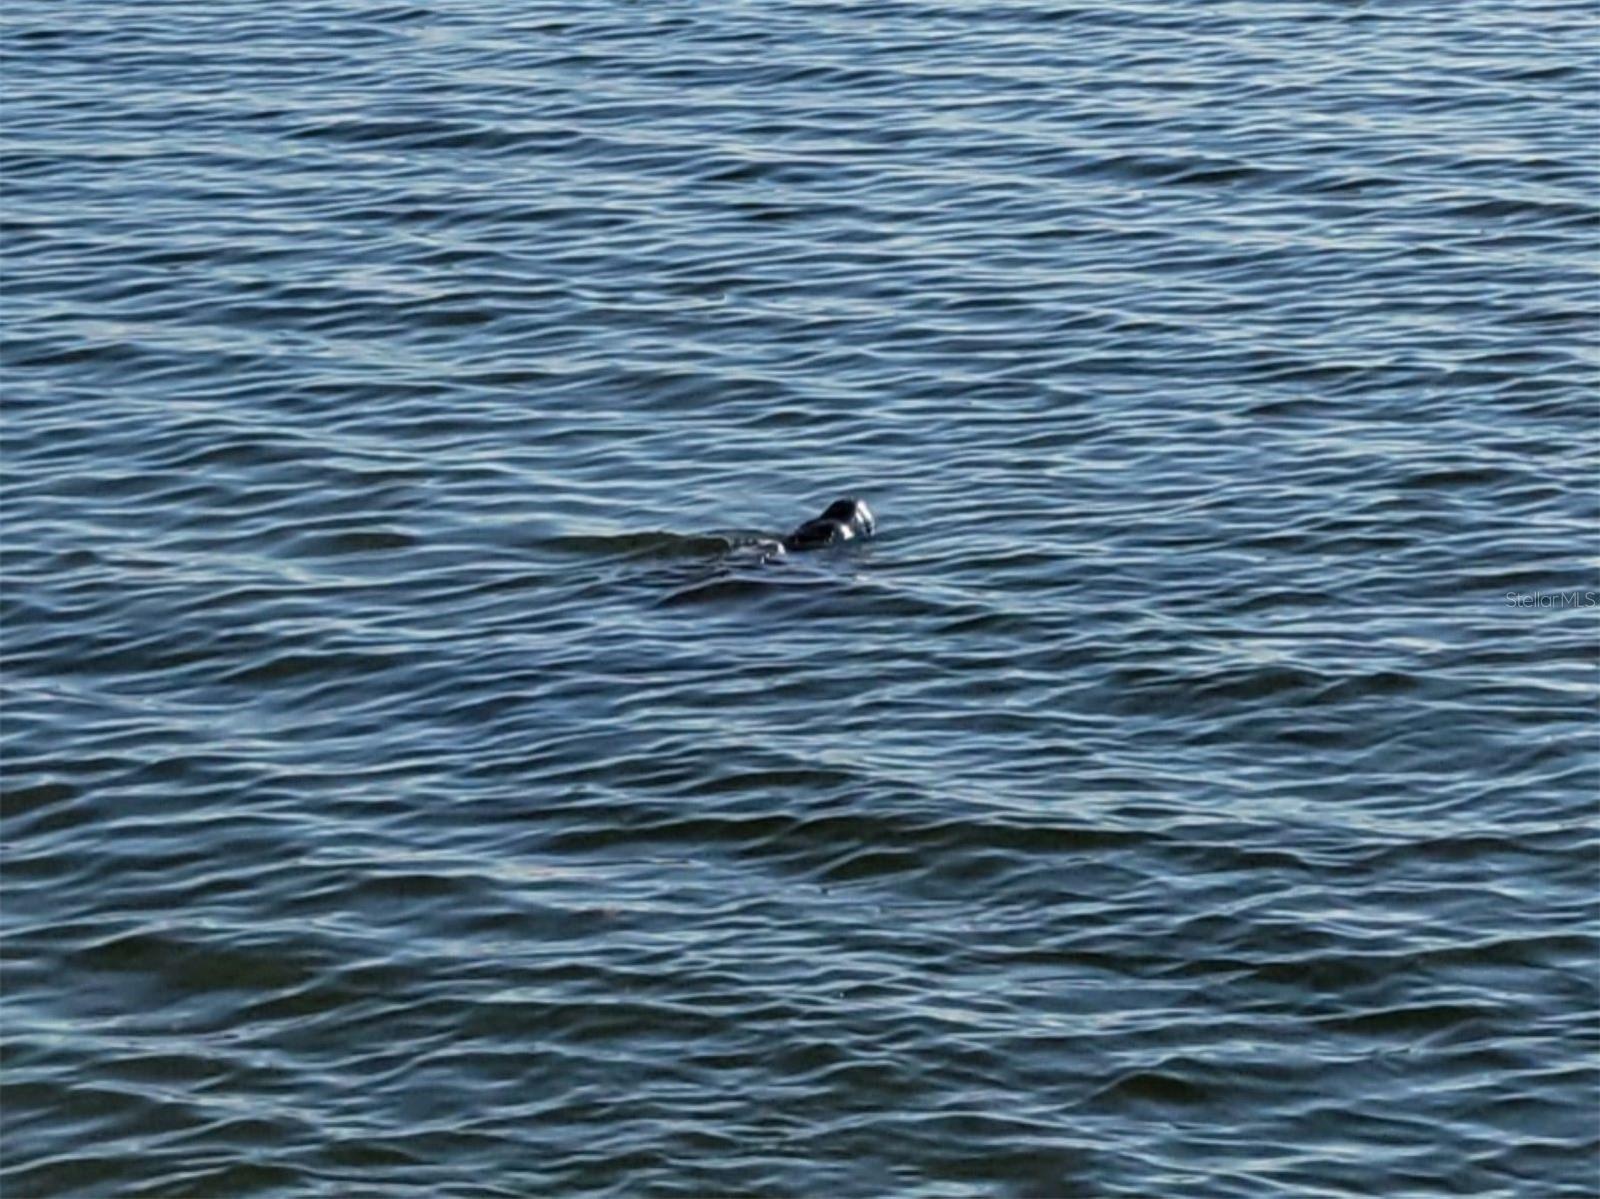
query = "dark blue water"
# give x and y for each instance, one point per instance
(416, 785)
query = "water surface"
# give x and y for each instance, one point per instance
(411, 788)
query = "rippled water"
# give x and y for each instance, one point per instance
(413, 785)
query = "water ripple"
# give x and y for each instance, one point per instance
(421, 774)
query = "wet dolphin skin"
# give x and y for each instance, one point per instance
(842, 520)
